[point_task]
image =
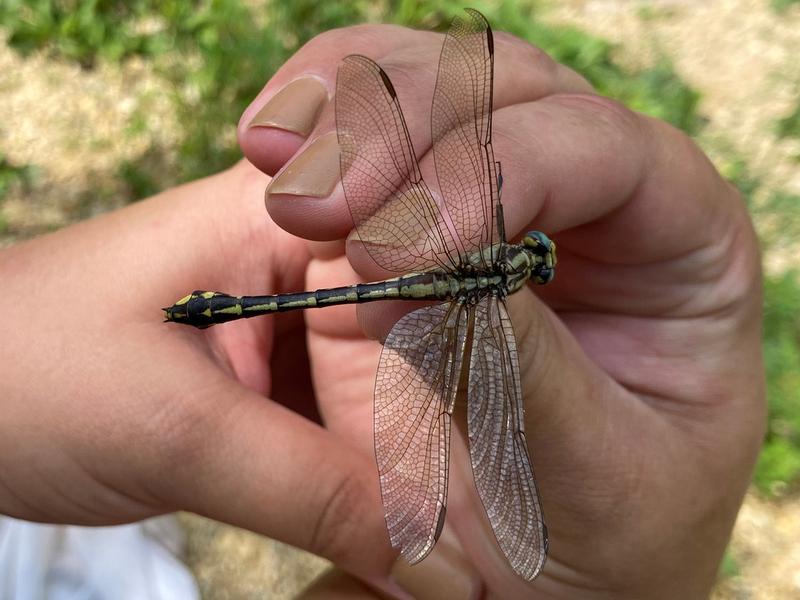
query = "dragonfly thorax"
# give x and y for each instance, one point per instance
(518, 266)
(534, 259)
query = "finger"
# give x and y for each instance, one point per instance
(298, 98)
(275, 125)
(642, 219)
(334, 584)
(238, 458)
(444, 573)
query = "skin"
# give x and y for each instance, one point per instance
(641, 362)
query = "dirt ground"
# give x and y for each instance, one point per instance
(739, 54)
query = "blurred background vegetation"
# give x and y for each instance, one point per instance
(213, 57)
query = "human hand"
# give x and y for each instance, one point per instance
(641, 363)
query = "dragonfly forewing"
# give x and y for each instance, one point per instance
(393, 210)
(461, 126)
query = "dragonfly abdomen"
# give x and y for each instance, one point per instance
(203, 309)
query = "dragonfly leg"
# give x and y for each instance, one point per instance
(501, 224)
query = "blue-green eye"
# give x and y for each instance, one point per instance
(537, 240)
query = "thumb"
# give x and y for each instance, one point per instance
(255, 464)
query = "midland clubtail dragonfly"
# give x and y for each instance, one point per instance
(453, 253)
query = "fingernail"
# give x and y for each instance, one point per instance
(295, 108)
(313, 173)
(444, 573)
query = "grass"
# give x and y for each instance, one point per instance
(789, 126)
(217, 55)
(778, 212)
(781, 6)
(779, 463)
(12, 174)
(729, 567)
(657, 91)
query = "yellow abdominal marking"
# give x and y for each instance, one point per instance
(236, 309)
(309, 302)
(373, 294)
(272, 306)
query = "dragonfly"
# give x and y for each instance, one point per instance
(460, 349)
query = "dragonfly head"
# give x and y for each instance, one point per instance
(543, 250)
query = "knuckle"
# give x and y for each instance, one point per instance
(328, 38)
(339, 518)
(535, 63)
(528, 53)
(610, 115)
(355, 38)
(607, 110)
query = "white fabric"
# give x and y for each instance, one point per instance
(126, 562)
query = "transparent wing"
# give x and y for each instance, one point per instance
(461, 125)
(501, 464)
(394, 213)
(414, 394)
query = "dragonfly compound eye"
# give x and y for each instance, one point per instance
(538, 242)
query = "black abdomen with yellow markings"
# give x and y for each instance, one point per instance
(203, 309)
